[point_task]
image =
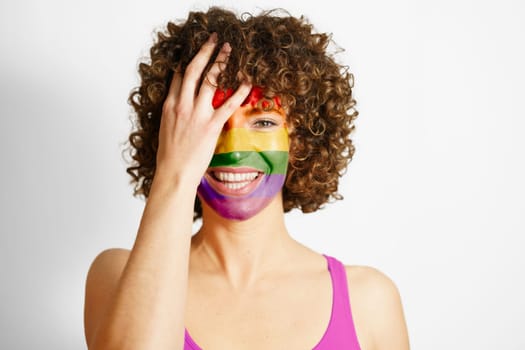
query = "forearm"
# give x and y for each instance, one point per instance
(147, 309)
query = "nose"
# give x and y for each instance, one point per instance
(237, 156)
(235, 138)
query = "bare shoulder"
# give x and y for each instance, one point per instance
(102, 279)
(377, 308)
(372, 281)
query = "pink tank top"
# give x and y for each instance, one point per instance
(340, 333)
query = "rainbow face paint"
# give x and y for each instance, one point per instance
(249, 165)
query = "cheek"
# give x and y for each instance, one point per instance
(272, 141)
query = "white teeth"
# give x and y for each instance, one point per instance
(236, 185)
(237, 178)
(235, 181)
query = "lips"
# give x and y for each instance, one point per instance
(234, 181)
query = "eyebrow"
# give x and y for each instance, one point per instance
(274, 111)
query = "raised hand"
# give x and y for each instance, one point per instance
(190, 126)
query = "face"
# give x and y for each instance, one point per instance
(248, 168)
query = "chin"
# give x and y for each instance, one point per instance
(239, 209)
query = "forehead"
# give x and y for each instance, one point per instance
(256, 98)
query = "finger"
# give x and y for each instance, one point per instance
(209, 84)
(195, 69)
(219, 65)
(230, 106)
(175, 82)
(174, 89)
(168, 108)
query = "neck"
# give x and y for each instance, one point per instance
(243, 251)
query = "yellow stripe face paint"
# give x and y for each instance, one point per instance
(242, 139)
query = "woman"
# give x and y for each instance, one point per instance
(240, 120)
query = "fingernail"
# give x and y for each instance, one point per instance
(213, 37)
(226, 47)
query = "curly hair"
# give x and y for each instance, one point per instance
(288, 59)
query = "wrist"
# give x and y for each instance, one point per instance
(173, 184)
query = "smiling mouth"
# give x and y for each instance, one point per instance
(234, 181)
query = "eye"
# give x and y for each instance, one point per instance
(264, 123)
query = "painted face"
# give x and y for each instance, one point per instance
(248, 168)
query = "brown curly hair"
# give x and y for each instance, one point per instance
(280, 53)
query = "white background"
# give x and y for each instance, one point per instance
(434, 197)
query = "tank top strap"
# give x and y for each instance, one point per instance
(341, 333)
(340, 286)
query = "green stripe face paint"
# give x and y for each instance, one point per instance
(270, 162)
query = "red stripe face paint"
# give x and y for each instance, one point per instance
(255, 98)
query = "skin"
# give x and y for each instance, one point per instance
(256, 139)
(220, 283)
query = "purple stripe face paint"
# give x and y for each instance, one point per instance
(242, 207)
(245, 179)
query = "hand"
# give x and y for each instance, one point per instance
(190, 126)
